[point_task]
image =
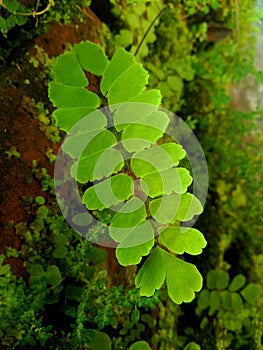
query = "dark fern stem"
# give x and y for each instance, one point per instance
(149, 28)
(110, 125)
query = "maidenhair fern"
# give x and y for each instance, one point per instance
(126, 168)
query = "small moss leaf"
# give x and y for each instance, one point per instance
(60, 252)
(226, 299)
(140, 345)
(135, 316)
(183, 240)
(236, 303)
(124, 38)
(251, 293)
(203, 301)
(216, 279)
(37, 270)
(82, 219)
(53, 275)
(101, 341)
(91, 58)
(237, 283)
(109, 192)
(214, 302)
(61, 239)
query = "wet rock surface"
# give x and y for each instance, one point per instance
(23, 84)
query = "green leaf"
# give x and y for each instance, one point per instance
(119, 63)
(101, 341)
(138, 242)
(91, 58)
(167, 181)
(130, 83)
(99, 165)
(37, 270)
(192, 346)
(226, 299)
(11, 5)
(99, 159)
(68, 71)
(182, 278)
(140, 345)
(60, 252)
(237, 283)
(183, 68)
(137, 137)
(140, 113)
(20, 20)
(182, 240)
(153, 97)
(236, 303)
(61, 239)
(66, 96)
(135, 316)
(66, 118)
(151, 275)
(251, 293)
(82, 219)
(130, 215)
(83, 133)
(216, 279)
(124, 38)
(214, 302)
(203, 300)
(123, 79)
(175, 207)
(53, 275)
(232, 324)
(109, 192)
(157, 158)
(175, 83)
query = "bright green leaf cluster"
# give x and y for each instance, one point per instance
(128, 172)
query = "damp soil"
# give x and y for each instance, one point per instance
(23, 85)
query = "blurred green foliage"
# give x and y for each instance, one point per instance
(67, 276)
